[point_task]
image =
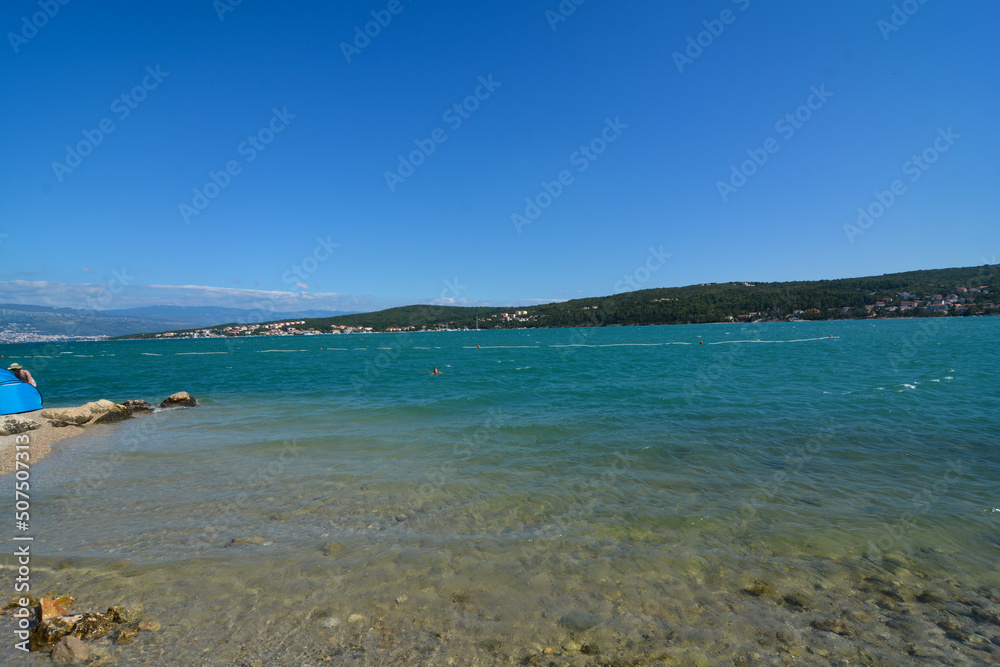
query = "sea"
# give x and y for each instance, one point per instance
(810, 493)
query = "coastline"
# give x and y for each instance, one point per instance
(40, 440)
(64, 423)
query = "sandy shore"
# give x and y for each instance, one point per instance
(40, 440)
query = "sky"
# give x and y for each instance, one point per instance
(359, 155)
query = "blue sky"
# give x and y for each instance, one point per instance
(256, 154)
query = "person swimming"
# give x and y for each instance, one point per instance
(435, 372)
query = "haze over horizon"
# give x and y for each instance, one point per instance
(366, 155)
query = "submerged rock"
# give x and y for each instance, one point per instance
(835, 625)
(70, 651)
(578, 621)
(757, 588)
(181, 399)
(126, 634)
(123, 614)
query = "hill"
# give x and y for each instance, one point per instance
(957, 291)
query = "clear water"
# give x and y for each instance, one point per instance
(688, 495)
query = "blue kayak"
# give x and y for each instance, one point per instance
(17, 396)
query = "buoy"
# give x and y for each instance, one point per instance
(701, 342)
(477, 347)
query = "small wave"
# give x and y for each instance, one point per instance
(150, 354)
(790, 340)
(76, 356)
(341, 349)
(948, 377)
(909, 386)
(281, 351)
(935, 380)
(177, 353)
(522, 368)
(502, 347)
(415, 347)
(65, 353)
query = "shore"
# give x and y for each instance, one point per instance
(39, 439)
(56, 424)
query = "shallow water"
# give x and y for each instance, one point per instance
(696, 494)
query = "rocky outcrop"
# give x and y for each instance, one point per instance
(104, 411)
(116, 414)
(181, 399)
(15, 425)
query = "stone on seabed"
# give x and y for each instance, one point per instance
(70, 651)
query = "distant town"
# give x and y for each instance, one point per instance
(956, 292)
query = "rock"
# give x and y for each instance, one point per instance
(578, 621)
(70, 651)
(149, 626)
(126, 634)
(757, 588)
(99, 407)
(355, 618)
(571, 646)
(51, 631)
(490, 645)
(15, 425)
(92, 626)
(117, 413)
(181, 399)
(77, 415)
(139, 405)
(122, 614)
(834, 625)
(61, 423)
(248, 540)
(48, 609)
(331, 548)
(928, 597)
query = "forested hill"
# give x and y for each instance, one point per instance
(715, 302)
(959, 291)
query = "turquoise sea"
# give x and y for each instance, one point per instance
(798, 493)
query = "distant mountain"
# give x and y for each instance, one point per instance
(20, 322)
